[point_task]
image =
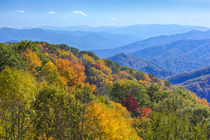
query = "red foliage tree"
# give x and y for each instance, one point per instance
(146, 112)
(131, 105)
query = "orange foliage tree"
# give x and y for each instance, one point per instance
(32, 58)
(71, 73)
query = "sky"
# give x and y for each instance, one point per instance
(63, 13)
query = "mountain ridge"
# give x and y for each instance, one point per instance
(80, 39)
(141, 65)
(197, 81)
(154, 41)
(179, 56)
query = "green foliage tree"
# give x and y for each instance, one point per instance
(10, 58)
(114, 66)
(75, 51)
(57, 113)
(17, 91)
(121, 89)
(170, 126)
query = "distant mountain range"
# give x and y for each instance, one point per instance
(79, 39)
(141, 31)
(197, 81)
(154, 41)
(94, 38)
(180, 56)
(177, 53)
(141, 65)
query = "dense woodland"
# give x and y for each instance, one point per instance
(52, 91)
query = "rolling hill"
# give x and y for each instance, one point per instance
(197, 81)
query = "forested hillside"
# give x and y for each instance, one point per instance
(180, 56)
(50, 91)
(141, 65)
(197, 81)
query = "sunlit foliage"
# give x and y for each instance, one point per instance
(50, 91)
(32, 59)
(108, 122)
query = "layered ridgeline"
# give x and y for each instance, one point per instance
(94, 38)
(141, 65)
(58, 92)
(197, 81)
(142, 31)
(154, 42)
(180, 56)
(85, 40)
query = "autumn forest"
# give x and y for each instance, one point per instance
(54, 91)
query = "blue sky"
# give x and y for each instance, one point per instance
(35, 13)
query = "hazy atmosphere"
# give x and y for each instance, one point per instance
(35, 13)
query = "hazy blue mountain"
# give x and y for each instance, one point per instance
(197, 81)
(182, 77)
(79, 39)
(179, 56)
(154, 41)
(94, 38)
(142, 31)
(141, 65)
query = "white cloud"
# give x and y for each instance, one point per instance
(51, 12)
(20, 11)
(79, 12)
(113, 18)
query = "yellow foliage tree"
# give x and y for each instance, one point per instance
(32, 58)
(88, 60)
(50, 72)
(108, 122)
(124, 75)
(146, 80)
(202, 101)
(99, 78)
(103, 67)
(63, 53)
